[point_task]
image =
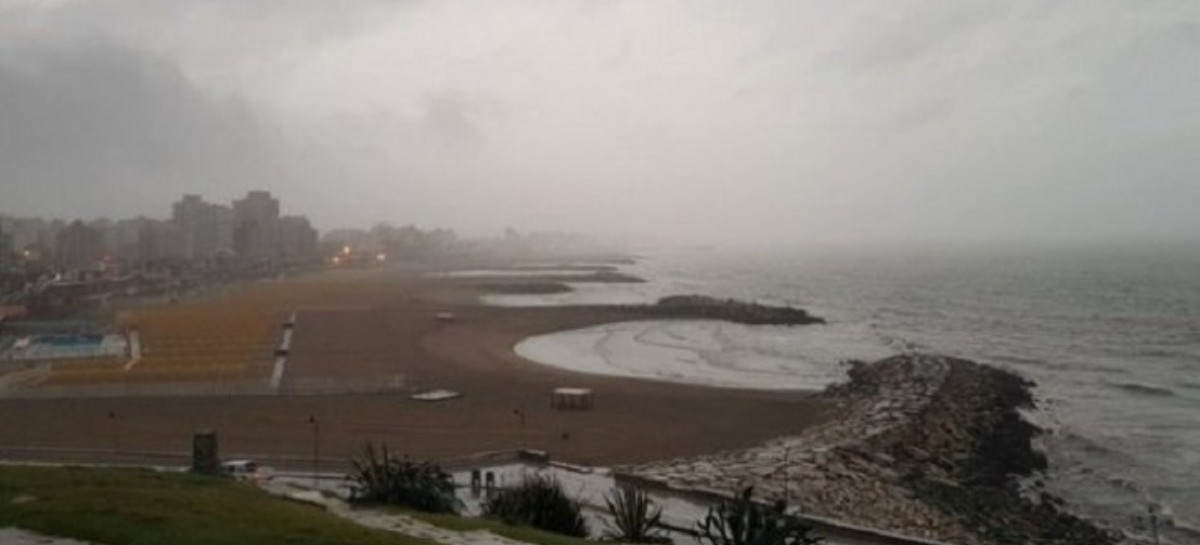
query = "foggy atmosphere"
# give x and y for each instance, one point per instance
(534, 273)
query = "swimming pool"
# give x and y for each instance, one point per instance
(66, 346)
(73, 339)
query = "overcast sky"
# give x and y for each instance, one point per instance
(691, 120)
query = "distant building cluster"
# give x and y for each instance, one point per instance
(250, 229)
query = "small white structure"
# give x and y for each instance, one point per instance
(445, 317)
(436, 395)
(578, 399)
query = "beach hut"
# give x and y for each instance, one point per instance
(572, 399)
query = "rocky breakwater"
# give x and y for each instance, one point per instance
(923, 446)
(553, 284)
(700, 307)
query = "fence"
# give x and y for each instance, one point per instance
(837, 530)
(343, 385)
(256, 387)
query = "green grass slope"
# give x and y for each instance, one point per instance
(138, 507)
(526, 534)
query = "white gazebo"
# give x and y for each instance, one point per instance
(578, 399)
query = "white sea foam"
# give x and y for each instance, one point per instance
(709, 352)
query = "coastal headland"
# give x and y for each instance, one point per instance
(924, 446)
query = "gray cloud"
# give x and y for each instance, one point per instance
(786, 121)
(95, 128)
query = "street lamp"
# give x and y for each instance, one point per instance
(787, 453)
(1154, 510)
(519, 412)
(316, 430)
(116, 436)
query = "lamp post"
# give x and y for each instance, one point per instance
(1153, 509)
(787, 493)
(116, 435)
(316, 430)
(519, 412)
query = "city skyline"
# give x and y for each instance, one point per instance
(249, 228)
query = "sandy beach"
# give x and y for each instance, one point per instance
(386, 328)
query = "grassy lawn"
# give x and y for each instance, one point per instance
(138, 507)
(519, 533)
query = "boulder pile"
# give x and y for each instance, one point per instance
(701, 307)
(924, 446)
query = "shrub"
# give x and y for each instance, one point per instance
(635, 517)
(743, 521)
(381, 478)
(539, 502)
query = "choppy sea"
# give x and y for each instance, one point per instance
(1111, 336)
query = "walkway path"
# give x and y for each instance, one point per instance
(16, 536)
(392, 522)
(135, 349)
(281, 355)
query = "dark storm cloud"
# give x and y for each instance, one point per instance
(94, 127)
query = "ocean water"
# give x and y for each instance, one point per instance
(1110, 335)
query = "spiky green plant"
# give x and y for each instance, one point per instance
(539, 502)
(379, 477)
(743, 521)
(635, 517)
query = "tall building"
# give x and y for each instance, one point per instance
(30, 233)
(48, 237)
(205, 229)
(256, 226)
(158, 241)
(104, 227)
(125, 238)
(224, 216)
(78, 246)
(6, 248)
(298, 238)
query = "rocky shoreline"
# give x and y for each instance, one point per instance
(924, 446)
(673, 307)
(543, 285)
(700, 307)
(526, 288)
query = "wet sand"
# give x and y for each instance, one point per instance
(391, 331)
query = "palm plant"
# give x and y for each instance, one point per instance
(743, 521)
(539, 502)
(635, 517)
(381, 478)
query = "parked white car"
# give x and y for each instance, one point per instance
(244, 470)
